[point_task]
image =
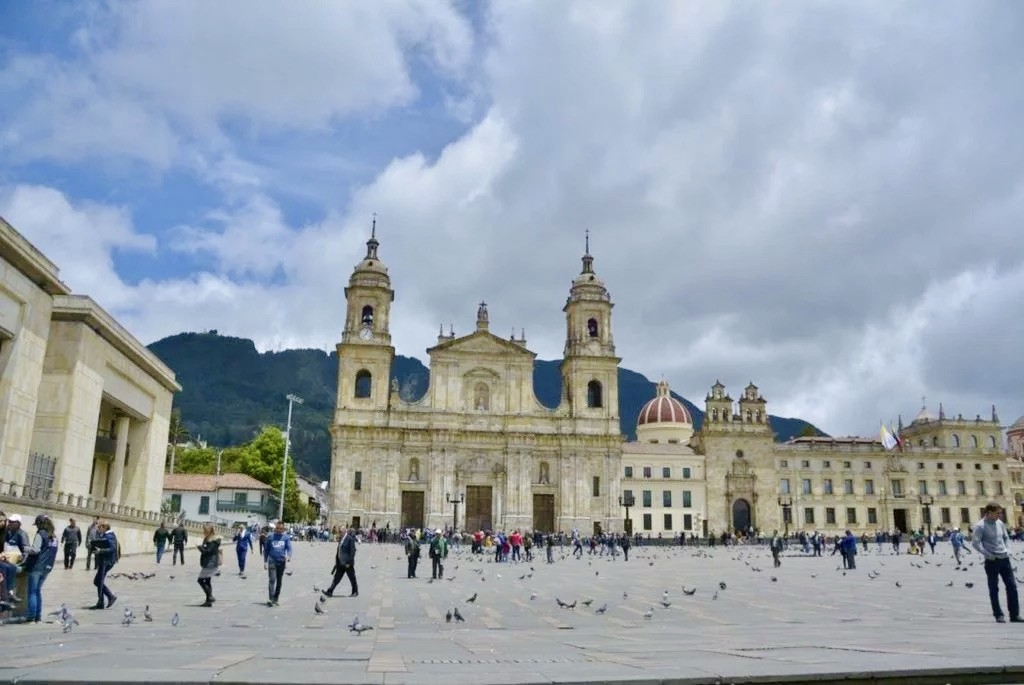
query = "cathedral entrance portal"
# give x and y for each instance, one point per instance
(478, 507)
(741, 515)
(412, 508)
(544, 513)
(899, 520)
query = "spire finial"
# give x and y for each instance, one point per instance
(482, 317)
(372, 244)
(586, 239)
(588, 261)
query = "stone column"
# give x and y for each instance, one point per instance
(120, 452)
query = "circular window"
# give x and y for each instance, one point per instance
(739, 454)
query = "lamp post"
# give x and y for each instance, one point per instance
(455, 502)
(926, 510)
(627, 501)
(292, 399)
(786, 502)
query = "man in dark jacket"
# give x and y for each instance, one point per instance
(160, 538)
(71, 539)
(179, 536)
(105, 548)
(345, 563)
(90, 537)
(412, 552)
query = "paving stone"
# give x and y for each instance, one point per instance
(813, 622)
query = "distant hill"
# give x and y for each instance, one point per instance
(231, 389)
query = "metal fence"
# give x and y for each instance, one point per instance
(40, 474)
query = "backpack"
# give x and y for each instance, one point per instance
(115, 550)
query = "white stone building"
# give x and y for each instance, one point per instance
(84, 406)
(227, 499)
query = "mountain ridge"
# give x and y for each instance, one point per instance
(230, 389)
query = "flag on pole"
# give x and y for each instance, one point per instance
(889, 441)
(896, 436)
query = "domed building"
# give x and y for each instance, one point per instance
(662, 475)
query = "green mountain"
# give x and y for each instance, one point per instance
(230, 390)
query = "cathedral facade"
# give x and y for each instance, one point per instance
(479, 451)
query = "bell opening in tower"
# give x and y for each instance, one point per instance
(367, 316)
(592, 328)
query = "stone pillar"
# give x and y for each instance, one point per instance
(120, 452)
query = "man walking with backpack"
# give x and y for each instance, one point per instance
(107, 554)
(438, 552)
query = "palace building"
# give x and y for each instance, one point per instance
(480, 451)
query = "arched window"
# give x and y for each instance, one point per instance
(714, 414)
(367, 316)
(414, 469)
(594, 394)
(481, 397)
(974, 441)
(364, 383)
(544, 477)
(592, 329)
(992, 441)
(956, 440)
(758, 416)
(748, 416)
(935, 441)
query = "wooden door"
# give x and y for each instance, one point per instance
(413, 508)
(544, 513)
(478, 508)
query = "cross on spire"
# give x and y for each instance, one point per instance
(588, 261)
(372, 244)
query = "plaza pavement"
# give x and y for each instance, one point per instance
(813, 624)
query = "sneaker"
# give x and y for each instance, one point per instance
(329, 593)
(110, 603)
(1016, 619)
(1000, 619)
(270, 602)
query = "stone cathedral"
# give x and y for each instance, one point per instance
(478, 442)
(480, 450)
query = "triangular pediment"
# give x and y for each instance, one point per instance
(482, 343)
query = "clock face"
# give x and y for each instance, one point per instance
(366, 334)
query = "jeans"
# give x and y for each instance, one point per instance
(994, 570)
(160, 547)
(100, 581)
(10, 572)
(35, 594)
(241, 559)
(275, 573)
(70, 552)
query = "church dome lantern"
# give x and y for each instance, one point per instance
(664, 409)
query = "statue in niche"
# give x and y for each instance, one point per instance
(414, 469)
(545, 474)
(481, 397)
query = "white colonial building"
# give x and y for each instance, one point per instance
(228, 499)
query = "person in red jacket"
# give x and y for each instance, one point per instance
(516, 540)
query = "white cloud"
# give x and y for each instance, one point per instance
(822, 199)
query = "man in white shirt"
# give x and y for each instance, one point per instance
(993, 542)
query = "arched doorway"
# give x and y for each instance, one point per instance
(741, 515)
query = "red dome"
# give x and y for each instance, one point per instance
(664, 409)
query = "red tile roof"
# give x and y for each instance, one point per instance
(197, 482)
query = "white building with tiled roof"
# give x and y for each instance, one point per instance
(227, 499)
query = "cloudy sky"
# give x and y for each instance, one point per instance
(825, 198)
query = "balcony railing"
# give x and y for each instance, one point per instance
(248, 507)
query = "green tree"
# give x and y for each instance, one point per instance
(261, 458)
(196, 460)
(809, 431)
(176, 434)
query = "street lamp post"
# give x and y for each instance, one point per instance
(926, 510)
(786, 502)
(455, 502)
(627, 502)
(292, 399)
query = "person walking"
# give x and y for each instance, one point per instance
(345, 563)
(992, 541)
(243, 545)
(71, 539)
(210, 559)
(277, 552)
(957, 540)
(179, 536)
(160, 538)
(438, 553)
(105, 549)
(38, 564)
(775, 545)
(92, 533)
(848, 544)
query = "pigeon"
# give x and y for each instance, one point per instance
(587, 602)
(533, 595)
(146, 615)
(603, 608)
(649, 613)
(319, 608)
(969, 585)
(67, 622)
(174, 620)
(775, 580)
(323, 598)
(689, 592)
(358, 628)
(129, 617)
(721, 585)
(949, 584)
(458, 616)
(899, 584)
(665, 603)
(471, 599)
(448, 617)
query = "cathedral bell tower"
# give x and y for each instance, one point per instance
(365, 352)
(590, 369)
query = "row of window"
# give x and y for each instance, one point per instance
(945, 515)
(666, 472)
(827, 464)
(648, 522)
(647, 497)
(827, 487)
